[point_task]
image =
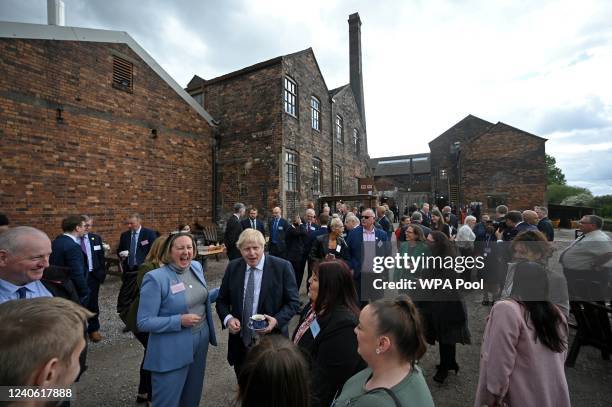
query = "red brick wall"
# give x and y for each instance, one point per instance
(101, 160)
(248, 108)
(508, 163)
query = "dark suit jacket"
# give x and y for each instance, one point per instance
(280, 247)
(146, 237)
(386, 225)
(295, 237)
(545, 226)
(232, 233)
(97, 257)
(246, 224)
(332, 355)
(320, 249)
(66, 253)
(311, 235)
(426, 219)
(278, 298)
(354, 241)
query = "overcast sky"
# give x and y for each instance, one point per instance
(542, 66)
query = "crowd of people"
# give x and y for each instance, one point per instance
(351, 346)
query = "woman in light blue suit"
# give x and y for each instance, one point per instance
(175, 309)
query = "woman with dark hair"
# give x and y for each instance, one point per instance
(534, 246)
(524, 347)
(445, 314)
(325, 332)
(391, 341)
(274, 374)
(412, 244)
(331, 245)
(437, 223)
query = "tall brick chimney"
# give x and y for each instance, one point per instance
(355, 62)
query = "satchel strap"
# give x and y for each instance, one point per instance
(389, 393)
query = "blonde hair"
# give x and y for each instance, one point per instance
(335, 222)
(250, 236)
(155, 252)
(35, 331)
(166, 258)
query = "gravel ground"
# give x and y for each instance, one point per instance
(112, 377)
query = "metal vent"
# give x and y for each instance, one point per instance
(123, 74)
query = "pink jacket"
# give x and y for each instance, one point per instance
(513, 364)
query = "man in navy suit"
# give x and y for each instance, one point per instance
(93, 249)
(137, 240)
(253, 222)
(384, 221)
(66, 253)
(255, 284)
(277, 228)
(233, 228)
(364, 243)
(312, 231)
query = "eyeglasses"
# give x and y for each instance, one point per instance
(367, 217)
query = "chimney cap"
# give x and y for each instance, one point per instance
(354, 18)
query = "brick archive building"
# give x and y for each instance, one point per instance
(473, 161)
(90, 123)
(283, 138)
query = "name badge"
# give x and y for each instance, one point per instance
(312, 228)
(338, 247)
(315, 328)
(280, 228)
(144, 243)
(177, 288)
(380, 243)
(97, 247)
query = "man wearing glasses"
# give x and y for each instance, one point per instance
(93, 249)
(364, 243)
(588, 258)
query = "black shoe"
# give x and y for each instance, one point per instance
(125, 329)
(141, 398)
(441, 375)
(454, 367)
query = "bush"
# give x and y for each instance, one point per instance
(555, 194)
(582, 199)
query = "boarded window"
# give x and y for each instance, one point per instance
(123, 74)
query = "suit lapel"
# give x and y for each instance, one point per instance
(265, 282)
(240, 284)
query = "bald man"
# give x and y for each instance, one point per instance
(277, 228)
(24, 255)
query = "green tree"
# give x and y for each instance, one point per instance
(555, 194)
(554, 175)
(582, 199)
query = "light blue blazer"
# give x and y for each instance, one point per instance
(170, 345)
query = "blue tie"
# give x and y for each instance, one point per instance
(247, 308)
(274, 230)
(132, 261)
(22, 292)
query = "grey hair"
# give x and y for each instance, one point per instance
(12, 240)
(352, 219)
(596, 220)
(238, 207)
(469, 218)
(416, 215)
(543, 209)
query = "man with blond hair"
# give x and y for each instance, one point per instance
(255, 283)
(49, 358)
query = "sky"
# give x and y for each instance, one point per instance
(541, 66)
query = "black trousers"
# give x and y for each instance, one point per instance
(447, 355)
(144, 385)
(93, 323)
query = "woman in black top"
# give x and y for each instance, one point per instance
(325, 332)
(332, 245)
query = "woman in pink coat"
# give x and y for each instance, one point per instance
(524, 347)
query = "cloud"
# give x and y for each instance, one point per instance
(589, 115)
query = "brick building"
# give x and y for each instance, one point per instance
(473, 161)
(90, 123)
(283, 137)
